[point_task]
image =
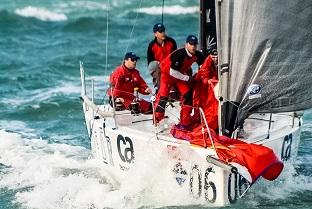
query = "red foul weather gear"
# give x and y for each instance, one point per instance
(123, 82)
(158, 52)
(209, 69)
(204, 97)
(174, 69)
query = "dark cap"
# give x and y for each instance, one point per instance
(159, 27)
(214, 52)
(131, 55)
(191, 39)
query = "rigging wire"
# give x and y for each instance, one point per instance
(162, 12)
(106, 65)
(106, 39)
(133, 26)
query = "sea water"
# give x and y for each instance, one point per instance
(44, 149)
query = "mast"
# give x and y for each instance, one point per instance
(228, 109)
(210, 38)
(207, 25)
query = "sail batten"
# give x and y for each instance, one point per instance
(268, 48)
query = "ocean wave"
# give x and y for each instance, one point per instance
(43, 95)
(40, 13)
(17, 126)
(171, 10)
(86, 24)
(71, 6)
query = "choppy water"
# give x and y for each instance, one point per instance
(44, 149)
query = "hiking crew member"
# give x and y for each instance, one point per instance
(123, 81)
(161, 46)
(174, 71)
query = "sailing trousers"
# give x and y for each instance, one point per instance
(144, 106)
(166, 83)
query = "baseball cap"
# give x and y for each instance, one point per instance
(192, 39)
(131, 55)
(214, 52)
(159, 27)
(153, 66)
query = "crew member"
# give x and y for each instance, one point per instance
(154, 70)
(161, 46)
(174, 71)
(124, 80)
(203, 93)
(210, 66)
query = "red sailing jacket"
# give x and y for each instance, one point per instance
(209, 69)
(124, 80)
(158, 51)
(179, 60)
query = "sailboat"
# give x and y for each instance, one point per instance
(264, 50)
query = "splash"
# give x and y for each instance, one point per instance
(40, 13)
(61, 176)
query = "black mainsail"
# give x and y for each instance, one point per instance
(265, 54)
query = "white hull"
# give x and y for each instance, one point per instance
(122, 140)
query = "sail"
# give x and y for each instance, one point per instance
(267, 47)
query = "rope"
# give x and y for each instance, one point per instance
(232, 103)
(133, 26)
(208, 130)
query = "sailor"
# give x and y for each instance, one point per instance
(126, 79)
(210, 66)
(174, 71)
(154, 70)
(203, 93)
(158, 49)
(161, 46)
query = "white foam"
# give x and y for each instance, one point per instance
(56, 175)
(288, 184)
(40, 13)
(171, 10)
(61, 176)
(17, 126)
